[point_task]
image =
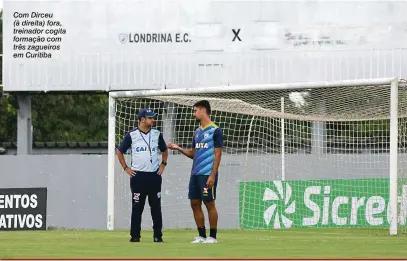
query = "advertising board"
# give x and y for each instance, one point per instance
(356, 203)
(23, 209)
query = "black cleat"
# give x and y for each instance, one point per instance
(135, 239)
(158, 240)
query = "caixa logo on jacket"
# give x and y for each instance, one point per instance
(144, 149)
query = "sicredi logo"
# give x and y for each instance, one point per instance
(332, 205)
(284, 196)
(367, 207)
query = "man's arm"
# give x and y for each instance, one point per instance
(124, 146)
(189, 153)
(163, 148)
(164, 151)
(218, 143)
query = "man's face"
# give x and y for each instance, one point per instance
(149, 121)
(199, 113)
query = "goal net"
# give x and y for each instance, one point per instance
(301, 155)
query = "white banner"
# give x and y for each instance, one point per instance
(149, 44)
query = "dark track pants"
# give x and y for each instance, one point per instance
(143, 185)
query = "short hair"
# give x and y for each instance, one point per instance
(204, 104)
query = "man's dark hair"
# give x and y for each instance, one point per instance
(204, 104)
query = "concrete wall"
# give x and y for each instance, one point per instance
(77, 184)
(282, 41)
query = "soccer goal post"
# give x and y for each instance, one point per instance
(296, 155)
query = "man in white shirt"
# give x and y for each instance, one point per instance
(145, 171)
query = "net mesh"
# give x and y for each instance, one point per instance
(291, 159)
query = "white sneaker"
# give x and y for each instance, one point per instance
(198, 240)
(210, 240)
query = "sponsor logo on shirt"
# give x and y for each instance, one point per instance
(201, 145)
(143, 149)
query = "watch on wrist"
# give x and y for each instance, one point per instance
(164, 162)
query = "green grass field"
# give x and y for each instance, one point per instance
(292, 243)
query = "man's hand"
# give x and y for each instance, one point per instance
(161, 169)
(210, 182)
(188, 153)
(173, 146)
(130, 172)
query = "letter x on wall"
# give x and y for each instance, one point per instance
(236, 35)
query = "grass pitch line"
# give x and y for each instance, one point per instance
(201, 259)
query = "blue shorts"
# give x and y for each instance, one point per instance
(197, 184)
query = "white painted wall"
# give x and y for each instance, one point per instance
(281, 41)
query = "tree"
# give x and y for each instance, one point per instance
(70, 117)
